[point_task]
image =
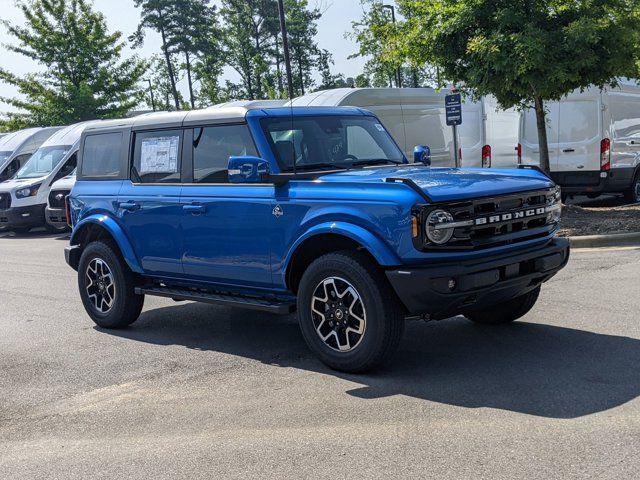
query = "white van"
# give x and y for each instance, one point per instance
(416, 116)
(17, 147)
(24, 197)
(594, 141)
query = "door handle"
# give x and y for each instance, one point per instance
(195, 209)
(129, 206)
(568, 150)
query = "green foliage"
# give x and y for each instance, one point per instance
(84, 76)
(523, 52)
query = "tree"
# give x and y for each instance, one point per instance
(327, 78)
(159, 15)
(162, 91)
(525, 52)
(195, 35)
(84, 77)
(380, 69)
(302, 28)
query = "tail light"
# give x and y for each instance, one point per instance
(519, 151)
(67, 210)
(486, 156)
(605, 155)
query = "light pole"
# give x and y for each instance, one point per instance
(153, 102)
(285, 47)
(393, 19)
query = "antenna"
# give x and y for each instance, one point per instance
(287, 62)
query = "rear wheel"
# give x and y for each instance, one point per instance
(348, 314)
(633, 194)
(506, 312)
(107, 287)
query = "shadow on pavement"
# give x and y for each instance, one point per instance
(528, 368)
(36, 233)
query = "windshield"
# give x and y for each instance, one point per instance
(43, 162)
(330, 142)
(4, 156)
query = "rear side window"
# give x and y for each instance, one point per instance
(157, 157)
(212, 147)
(101, 156)
(578, 120)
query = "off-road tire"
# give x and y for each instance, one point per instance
(632, 195)
(384, 315)
(505, 312)
(127, 305)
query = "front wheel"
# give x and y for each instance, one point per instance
(107, 287)
(348, 314)
(505, 312)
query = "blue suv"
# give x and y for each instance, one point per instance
(314, 210)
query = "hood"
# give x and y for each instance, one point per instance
(11, 184)
(64, 183)
(448, 184)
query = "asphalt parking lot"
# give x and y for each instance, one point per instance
(198, 391)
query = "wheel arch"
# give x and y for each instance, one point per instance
(103, 227)
(333, 237)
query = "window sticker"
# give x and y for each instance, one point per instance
(159, 155)
(379, 127)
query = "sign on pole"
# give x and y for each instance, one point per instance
(453, 109)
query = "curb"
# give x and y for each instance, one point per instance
(615, 240)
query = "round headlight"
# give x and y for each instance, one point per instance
(436, 227)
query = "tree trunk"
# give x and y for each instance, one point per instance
(167, 57)
(542, 135)
(279, 68)
(189, 81)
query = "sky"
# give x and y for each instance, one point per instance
(122, 15)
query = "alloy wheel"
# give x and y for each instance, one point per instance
(101, 287)
(338, 314)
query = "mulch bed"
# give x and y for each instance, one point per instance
(578, 221)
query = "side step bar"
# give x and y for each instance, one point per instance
(280, 307)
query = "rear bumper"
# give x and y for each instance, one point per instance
(446, 290)
(22, 217)
(617, 180)
(56, 217)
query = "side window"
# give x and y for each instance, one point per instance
(212, 147)
(101, 156)
(11, 170)
(22, 159)
(157, 157)
(67, 168)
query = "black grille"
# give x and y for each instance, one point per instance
(496, 221)
(56, 198)
(5, 201)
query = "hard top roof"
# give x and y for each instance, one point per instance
(220, 114)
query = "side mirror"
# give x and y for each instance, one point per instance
(247, 169)
(422, 154)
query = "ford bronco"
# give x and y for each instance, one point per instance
(314, 210)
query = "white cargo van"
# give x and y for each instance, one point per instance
(594, 141)
(23, 198)
(416, 116)
(17, 147)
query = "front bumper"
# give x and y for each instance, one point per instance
(22, 217)
(56, 217)
(445, 290)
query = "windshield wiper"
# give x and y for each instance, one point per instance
(377, 161)
(320, 166)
